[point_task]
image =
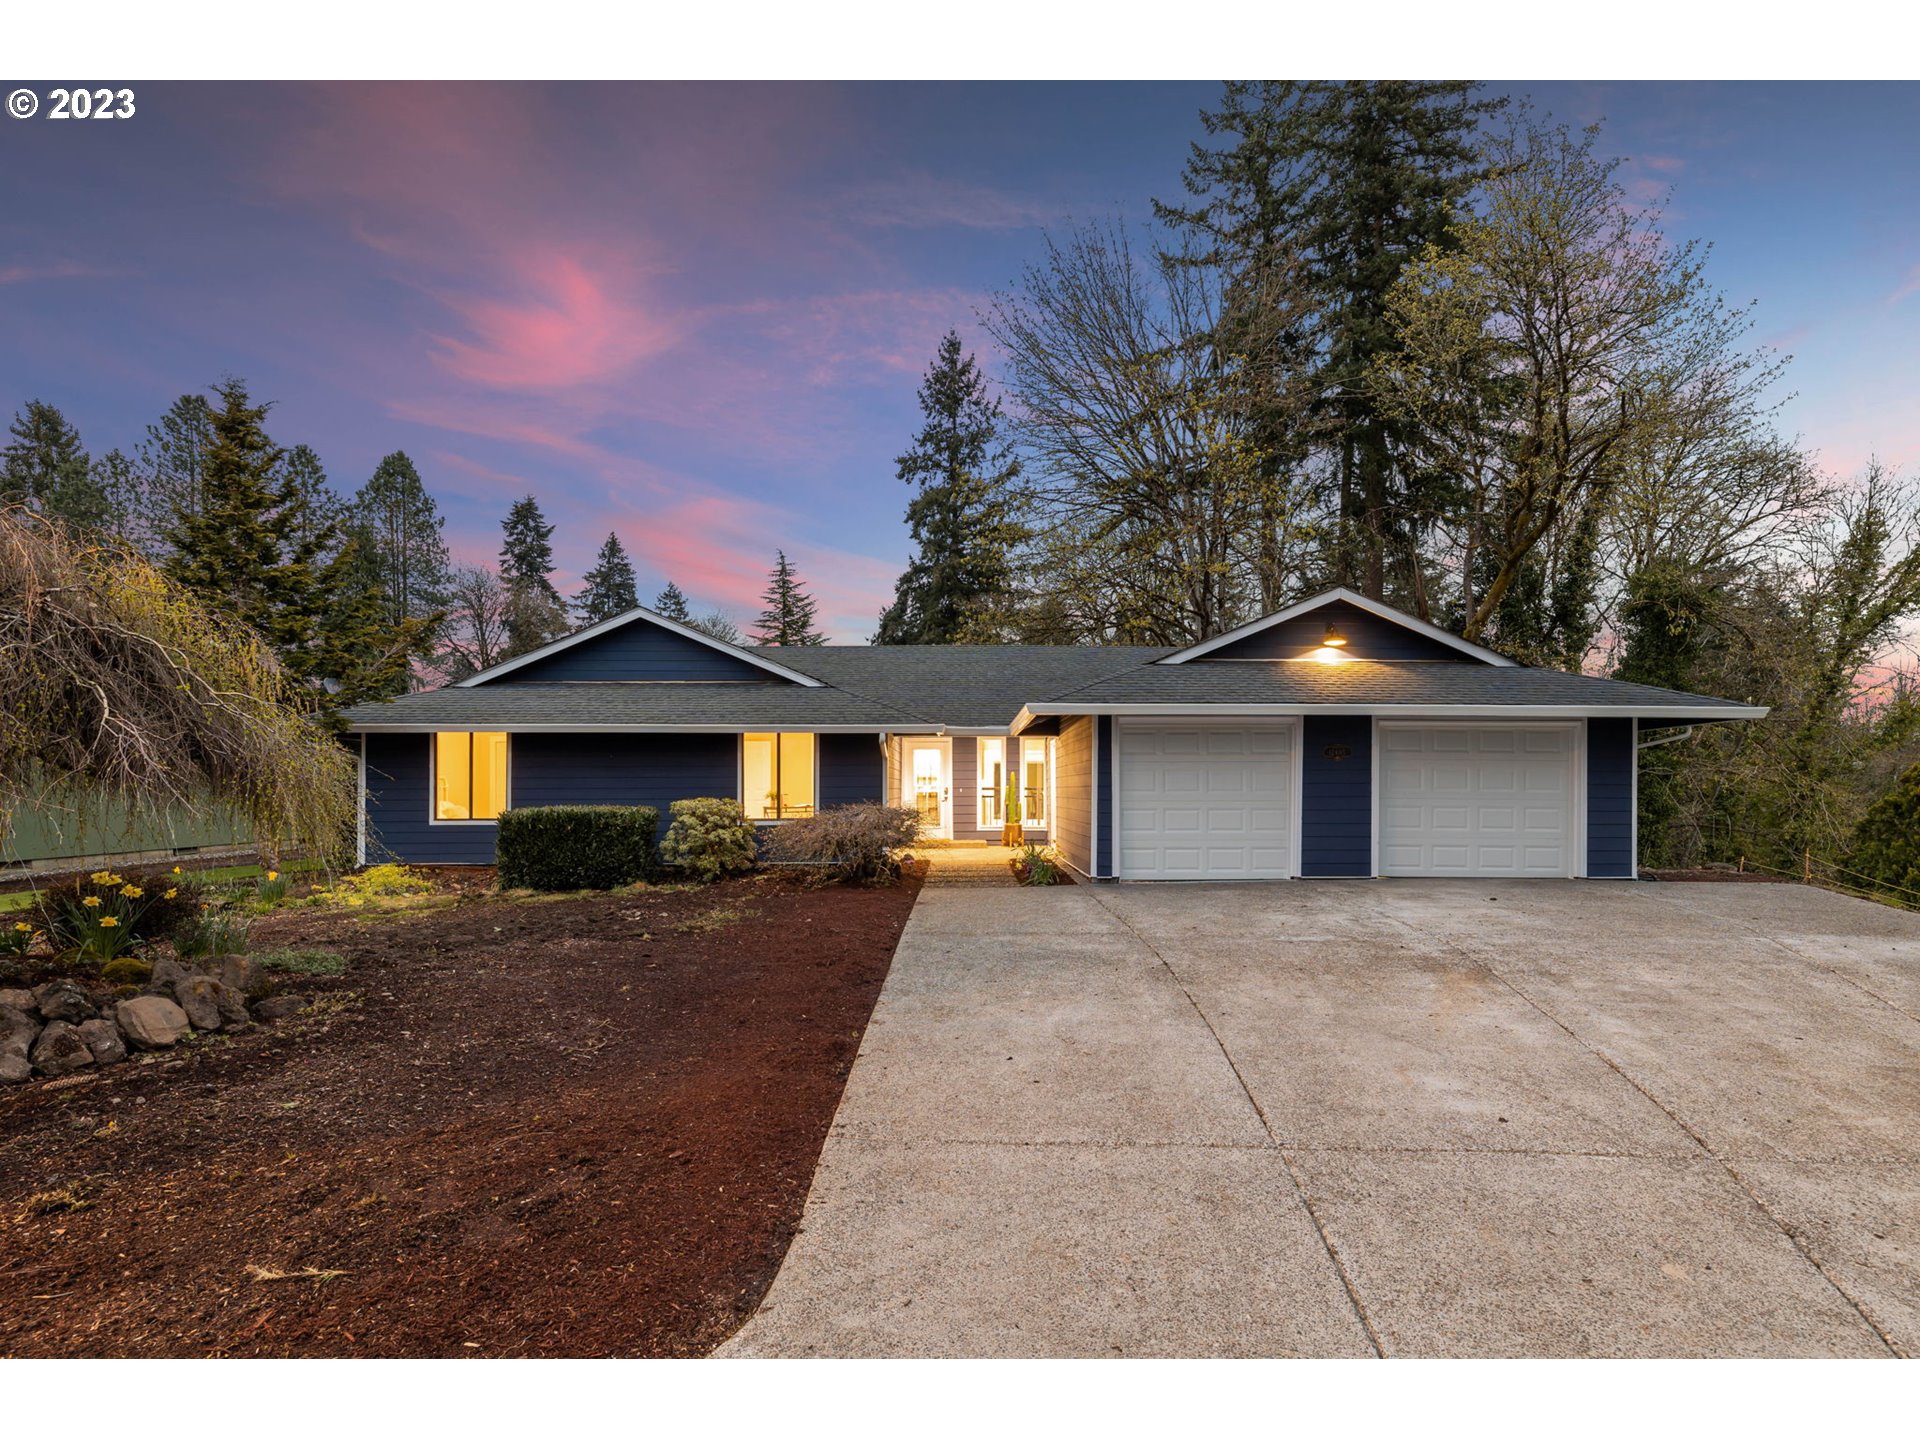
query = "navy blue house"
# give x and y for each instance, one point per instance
(1336, 738)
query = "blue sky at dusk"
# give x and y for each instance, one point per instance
(697, 315)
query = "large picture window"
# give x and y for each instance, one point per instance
(777, 776)
(469, 774)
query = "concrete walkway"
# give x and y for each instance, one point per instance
(1417, 1118)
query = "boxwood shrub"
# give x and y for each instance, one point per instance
(576, 847)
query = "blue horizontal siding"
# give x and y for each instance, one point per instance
(1369, 637)
(853, 770)
(1610, 761)
(639, 650)
(1336, 796)
(399, 809)
(1103, 787)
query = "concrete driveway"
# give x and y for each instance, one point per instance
(1353, 1118)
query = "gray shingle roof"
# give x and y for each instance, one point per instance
(1365, 684)
(562, 705)
(970, 686)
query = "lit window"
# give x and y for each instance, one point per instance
(469, 775)
(1033, 781)
(993, 782)
(777, 776)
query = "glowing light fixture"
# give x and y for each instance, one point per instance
(1327, 655)
(1334, 639)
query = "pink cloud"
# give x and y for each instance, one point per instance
(58, 270)
(572, 328)
(1910, 286)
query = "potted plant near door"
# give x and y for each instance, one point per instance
(1010, 831)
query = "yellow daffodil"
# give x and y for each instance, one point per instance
(273, 874)
(132, 892)
(101, 877)
(107, 922)
(171, 893)
(176, 869)
(22, 925)
(92, 902)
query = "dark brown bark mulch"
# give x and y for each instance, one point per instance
(563, 1127)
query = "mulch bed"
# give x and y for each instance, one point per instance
(541, 1127)
(1728, 877)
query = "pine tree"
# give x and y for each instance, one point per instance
(609, 588)
(1355, 178)
(1886, 844)
(962, 519)
(256, 548)
(47, 469)
(788, 618)
(403, 541)
(535, 614)
(672, 604)
(167, 471)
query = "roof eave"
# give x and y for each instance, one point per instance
(1351, 597)
(627, 617)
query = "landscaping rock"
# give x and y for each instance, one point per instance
(14, 1069)
(60, 1050)
(233, 1007)
(16, 999)
(239, 973)
(279, 1007)
(64, 1000)
(151, 1022)
(103, 1039)
(197, 995)
(18, 1031)
(165, 973)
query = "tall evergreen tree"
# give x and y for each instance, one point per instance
(166, 471)
(671, 603)
(535, 613)
(254, 548)
(788, 618)
(1355, 179)
(320, 515)
(403, 541)
(46, 468)
(609, 588)
(961, 519)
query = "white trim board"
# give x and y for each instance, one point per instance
(615, 622)
(1190, 711)
(1329, 597)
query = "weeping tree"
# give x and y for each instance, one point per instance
(118, 686)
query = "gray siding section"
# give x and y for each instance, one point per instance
(1368, 638)
(966, 789)
(399, 825)
(1610, 761)
(853, 770)
(639, 650)
(1073, 793)
(1336, 796)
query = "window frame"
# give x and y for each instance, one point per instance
(433, 776)
(740, 785)
(984, 795)
(1030, 747)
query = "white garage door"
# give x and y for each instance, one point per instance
(1205, 802)
(1476, 800)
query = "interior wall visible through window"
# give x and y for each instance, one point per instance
(778, 778)
(992, 782)
(469, 774)
(1033, 780)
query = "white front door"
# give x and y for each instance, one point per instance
(1205, 801)
(1497, 800)
(927, 788)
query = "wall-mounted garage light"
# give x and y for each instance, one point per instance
(1335, 640)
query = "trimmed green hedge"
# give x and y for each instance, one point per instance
(576, 847)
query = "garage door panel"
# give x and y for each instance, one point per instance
(1493, 800)
(1206, 801)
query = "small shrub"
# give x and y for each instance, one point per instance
(376, 882)
(127, 970)
(302, 962)
(211, 935)
(709, 837)
(1036, 866)
(576, 847)
(855, 843)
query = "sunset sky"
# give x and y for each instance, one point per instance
(696, 315)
